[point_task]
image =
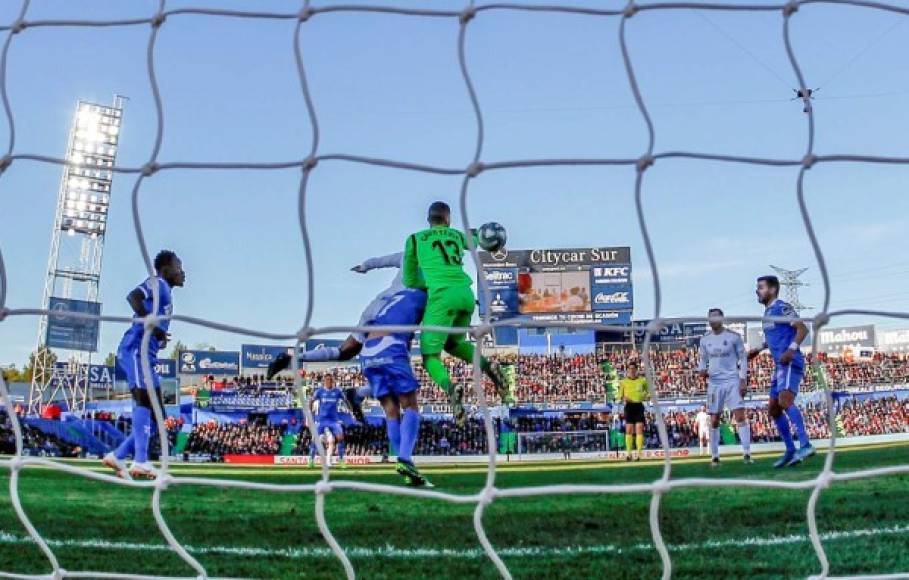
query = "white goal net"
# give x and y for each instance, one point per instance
(308, 162)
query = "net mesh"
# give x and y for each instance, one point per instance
(307, 164)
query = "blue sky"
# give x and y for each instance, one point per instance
(389, 86)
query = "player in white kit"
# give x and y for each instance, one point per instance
(352, 346)
(702, 426)
(723, 361)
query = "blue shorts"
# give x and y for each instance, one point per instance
(333, 426)
(129, 362)
(392, 379)
(786, 378)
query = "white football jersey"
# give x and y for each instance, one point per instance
(723, 356)
(702, 420)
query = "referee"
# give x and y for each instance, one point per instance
(633, 391)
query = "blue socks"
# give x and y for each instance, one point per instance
(126, 447)
(340, 447)
(410, 427)
(782, 425)
(795, 415)
(393, 427)
(312, 452)
(142, 421)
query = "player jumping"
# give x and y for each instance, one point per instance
(723, 361)
(354, 343)
(169, 274)
(438, 254)
(386, 364)
(783, 340)
(326, 416)
(633, 391)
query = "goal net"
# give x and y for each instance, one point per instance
(622, 16)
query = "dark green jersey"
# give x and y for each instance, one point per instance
(438, 253)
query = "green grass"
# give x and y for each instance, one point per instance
(707, 529)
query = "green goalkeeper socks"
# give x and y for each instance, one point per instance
(437, 372)
(465, 351)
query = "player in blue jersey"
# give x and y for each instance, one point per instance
(783, 339)
(385, 359)
(169, 275)
(325, 399)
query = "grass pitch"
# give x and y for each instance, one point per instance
(711, 532)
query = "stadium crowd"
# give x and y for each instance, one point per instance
(34, 441)
(546, 378)
(435, 438)
(591, 432)
(575, 432)
(235, 439)
(539, 379)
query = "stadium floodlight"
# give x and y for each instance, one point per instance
(77, 240)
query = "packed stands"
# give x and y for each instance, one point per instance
(234, 439)
(540, 379)
(441, 437)
(34, 441)
(548, 378)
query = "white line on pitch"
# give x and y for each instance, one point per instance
(390, 551)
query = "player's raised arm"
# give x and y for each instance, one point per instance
(388, 261)
(410, 266)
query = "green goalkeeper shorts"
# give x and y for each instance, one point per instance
(446, 307)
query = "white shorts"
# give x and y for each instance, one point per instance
(723, 394)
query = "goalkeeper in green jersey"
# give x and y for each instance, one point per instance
(434, 261)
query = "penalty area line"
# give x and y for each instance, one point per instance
(389, 551)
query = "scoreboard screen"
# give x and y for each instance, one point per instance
(568, 286)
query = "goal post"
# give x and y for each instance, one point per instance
(563, 442)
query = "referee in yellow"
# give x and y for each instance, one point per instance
(633, 390)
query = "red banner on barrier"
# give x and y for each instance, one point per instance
(650, 454)
(250, 459)
(291, 459)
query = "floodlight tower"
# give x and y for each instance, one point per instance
(73, 272)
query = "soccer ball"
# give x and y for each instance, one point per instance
(492, 236)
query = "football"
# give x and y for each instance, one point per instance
(492, 236)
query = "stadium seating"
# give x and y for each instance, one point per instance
(234, 439)
(35, 441)
(869, 417)
(552, 378)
